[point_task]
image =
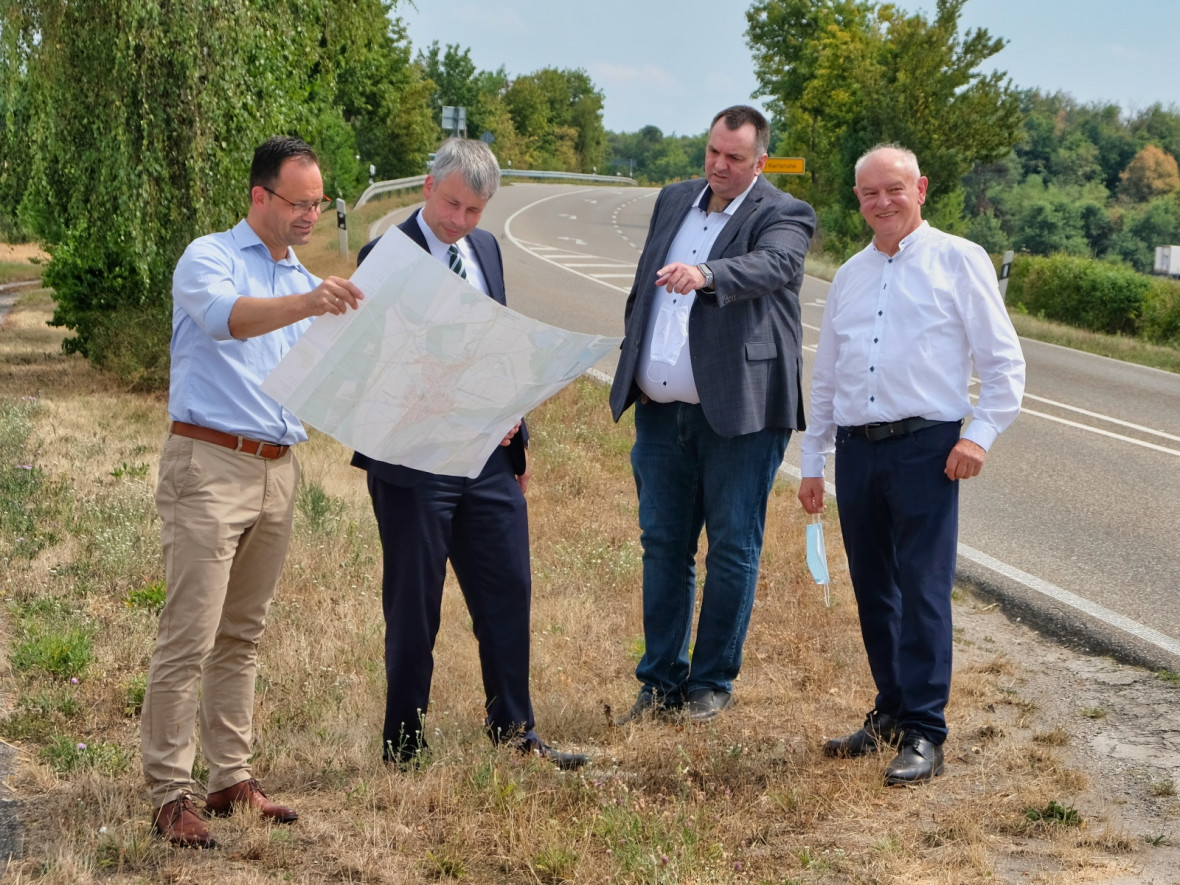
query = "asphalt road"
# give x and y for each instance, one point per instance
(1073, 523)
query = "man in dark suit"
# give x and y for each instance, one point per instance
(712, 359)
(480, 524)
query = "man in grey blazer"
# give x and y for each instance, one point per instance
(712, 359)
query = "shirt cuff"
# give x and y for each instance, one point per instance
(811, 465)
(981, 433)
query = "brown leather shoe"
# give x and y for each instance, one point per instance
(248, 792)
(179, 823)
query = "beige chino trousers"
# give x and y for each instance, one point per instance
(226, 525)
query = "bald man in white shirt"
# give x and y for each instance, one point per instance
(906, 322)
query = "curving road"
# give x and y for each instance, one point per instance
(1073, 524)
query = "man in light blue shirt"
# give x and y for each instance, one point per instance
(227, 485)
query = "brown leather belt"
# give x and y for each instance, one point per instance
(270, 451)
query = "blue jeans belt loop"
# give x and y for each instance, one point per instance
(879, 432)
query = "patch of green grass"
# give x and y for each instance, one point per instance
(444, 865)
(58, 652)
(555, 862)
(66, 754)
(41, 713)
(1055, 813)
(821, 266)
(131, 470)
(150, 597)
(25, 492)
(320, 511)
(19, 271)
(659, 848)
(1169, 676)
(133, 694)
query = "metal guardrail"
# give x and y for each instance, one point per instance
(568, 176)
(397, 184)
(384, 187)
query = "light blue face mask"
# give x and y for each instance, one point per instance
(817, 556)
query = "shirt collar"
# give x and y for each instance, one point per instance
(437, 246)
(915, 236)
(702, 202)
(247, 238)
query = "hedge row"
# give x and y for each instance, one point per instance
(1096, 295)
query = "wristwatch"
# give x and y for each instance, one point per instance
(704, 268)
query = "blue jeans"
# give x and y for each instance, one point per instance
(688, 477)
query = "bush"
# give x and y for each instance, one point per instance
(1161, 313)
(1082, 292)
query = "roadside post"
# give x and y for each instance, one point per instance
(1005, 269)
(342, 225)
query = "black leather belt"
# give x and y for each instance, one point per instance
(878, 432)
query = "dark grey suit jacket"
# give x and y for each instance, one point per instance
(491, 264)
(745, 340)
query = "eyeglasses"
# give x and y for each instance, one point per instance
(316, 206)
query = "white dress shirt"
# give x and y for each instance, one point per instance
(664, 371)
(898, 339)
(439, 250)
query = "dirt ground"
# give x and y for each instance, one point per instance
(1124, 729)
(21, 252)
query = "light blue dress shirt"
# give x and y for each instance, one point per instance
(215, 377)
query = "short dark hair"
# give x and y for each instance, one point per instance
(738, 116)
(272, 153)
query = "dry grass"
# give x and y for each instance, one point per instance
(748, 798)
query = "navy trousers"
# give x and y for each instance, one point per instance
(481, 526)
(899, 515)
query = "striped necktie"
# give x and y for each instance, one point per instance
(455, 261)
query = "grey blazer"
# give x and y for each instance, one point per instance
(745, 340)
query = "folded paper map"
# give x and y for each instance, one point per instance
(429, 372)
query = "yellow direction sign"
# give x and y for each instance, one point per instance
(784, 165)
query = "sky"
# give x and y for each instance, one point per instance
(675, 63)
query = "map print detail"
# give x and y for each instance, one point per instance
(429, 373)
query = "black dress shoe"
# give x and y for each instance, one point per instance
(917, 760)
(879, 729)
(649, 704)
(564, 761)
(705, 703)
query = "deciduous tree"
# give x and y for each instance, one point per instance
(843, 75)
(137, 120)
(1152, 173)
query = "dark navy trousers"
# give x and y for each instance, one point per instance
(899, 515)
(481, 526)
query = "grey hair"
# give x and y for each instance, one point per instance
(473, 160)
(908, 158)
